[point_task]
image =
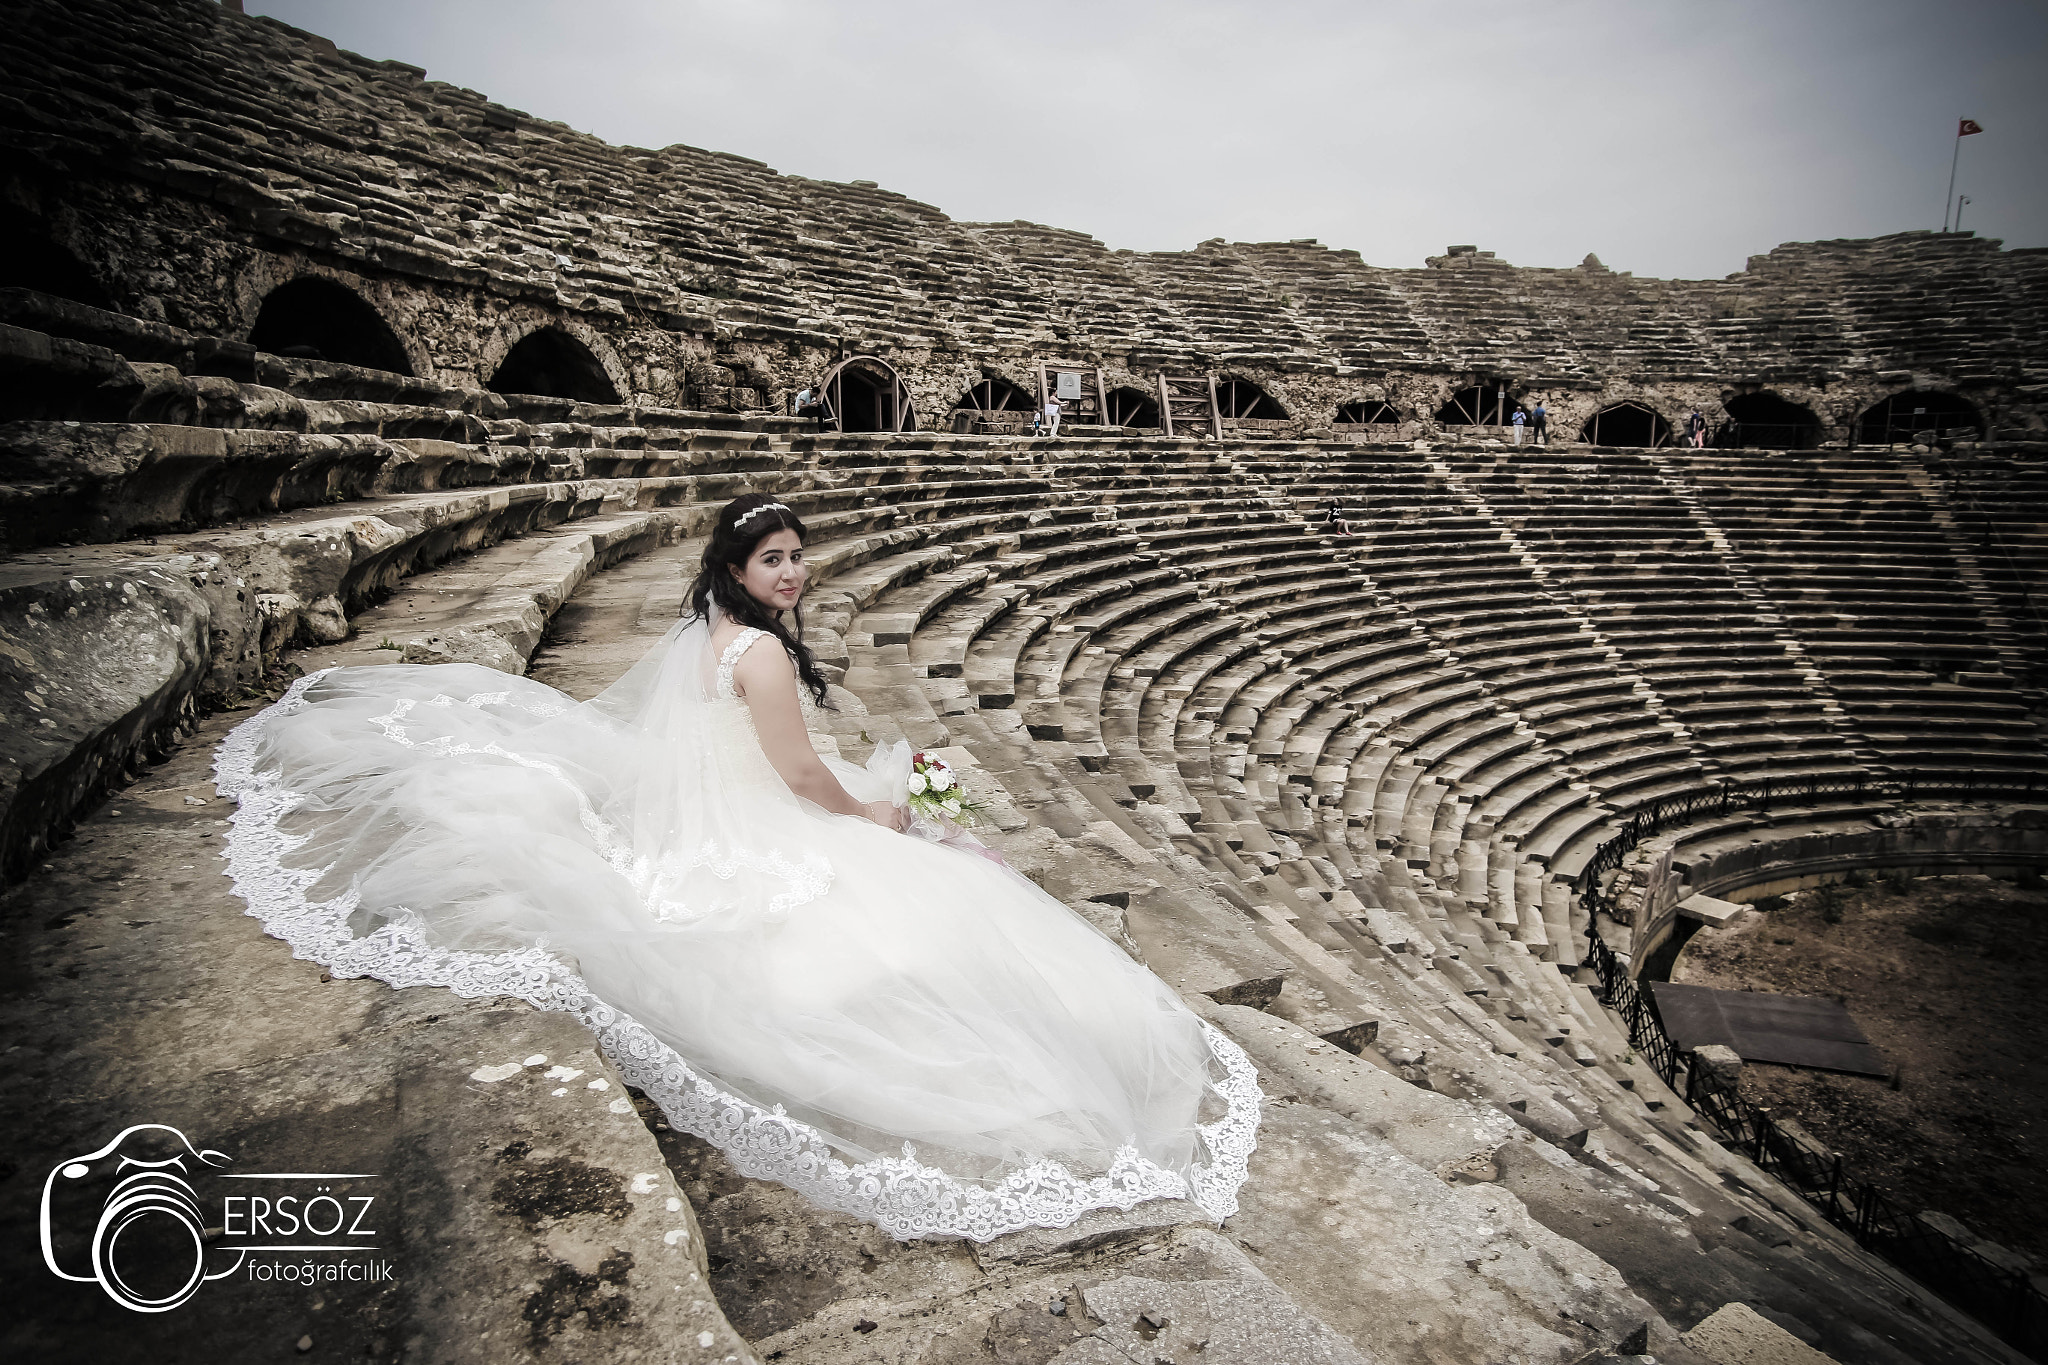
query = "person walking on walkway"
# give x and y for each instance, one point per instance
(1539, 425)
(1518, 420)
(1696, 429)
(1051, 425)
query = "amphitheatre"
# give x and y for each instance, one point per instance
(311, 359)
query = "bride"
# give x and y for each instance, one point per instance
(883, 1020)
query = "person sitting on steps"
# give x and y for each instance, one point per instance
(807, 405)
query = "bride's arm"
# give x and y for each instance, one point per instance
(768, 685)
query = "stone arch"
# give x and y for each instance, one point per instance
(1130, 407)
(995, 394)
(1769, 421)
(1903, 417)
(550, 362)
(1240, 398)
(1627, 423)
(1367, 412)
(30, 259)
(1485, 404)
(314, 318)
(864, 393)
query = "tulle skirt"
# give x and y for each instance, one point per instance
(898, 1028)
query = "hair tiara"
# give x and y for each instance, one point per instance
(749, 514)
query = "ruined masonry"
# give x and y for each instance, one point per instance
(307, 360)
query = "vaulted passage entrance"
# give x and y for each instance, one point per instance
(1626, 424)
(1368, 412)
(994, 395)
(1904, 418)
(29, 260)
(1766, 421)
(1480, 405)
(1242, 398)
(1132, 408)
(554, 364)
(866, 394)
(315, 319)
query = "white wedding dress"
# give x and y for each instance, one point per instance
(897, 1028)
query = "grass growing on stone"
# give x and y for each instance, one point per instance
(1944, 975)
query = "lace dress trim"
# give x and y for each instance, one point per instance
(730, 658)
(905, 1197)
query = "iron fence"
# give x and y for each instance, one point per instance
(1649, 820)
(2007, 1301)
(2003, 1299)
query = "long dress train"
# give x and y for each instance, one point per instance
(893, 1027)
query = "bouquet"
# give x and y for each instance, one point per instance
(935, 791)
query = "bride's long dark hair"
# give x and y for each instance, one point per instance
(732, 545)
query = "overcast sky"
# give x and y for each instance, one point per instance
(1672, 139)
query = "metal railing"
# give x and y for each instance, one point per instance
(1679, 807)
(2006, 1301)
(2003, 1299)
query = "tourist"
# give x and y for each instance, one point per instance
(769, 946)
(1052, 414)
(1696, 430)
(1517, 422)
(1539, 425)
(807, 405)
(1333, 519)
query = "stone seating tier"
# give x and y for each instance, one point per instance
(293, 148)
(1341, 777)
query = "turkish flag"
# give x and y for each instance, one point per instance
(1968, 126)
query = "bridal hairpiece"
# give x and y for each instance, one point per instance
(748, 515)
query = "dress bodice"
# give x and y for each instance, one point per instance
(723, 689)
(743, 741)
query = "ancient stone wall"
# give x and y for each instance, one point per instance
(192, 159)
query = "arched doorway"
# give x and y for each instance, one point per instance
(1626, 424)
(1477, 405)
(1133, 408)
(864, 393)
(1766, 421)
(1904, 418)
(1368, 412)
(314, 319)
(29, 260)
(1240, 398)
(994, 395)
(553, 364)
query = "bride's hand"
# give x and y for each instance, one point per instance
(888, 815)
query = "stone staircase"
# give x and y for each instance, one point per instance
(1337, 790)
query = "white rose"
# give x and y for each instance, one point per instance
(917, 784)
(951, 805)
(942, 779)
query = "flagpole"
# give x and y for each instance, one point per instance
(1953, 159)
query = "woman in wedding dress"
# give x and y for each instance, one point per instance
(870, 1008)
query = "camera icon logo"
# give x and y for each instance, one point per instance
(147, 1240)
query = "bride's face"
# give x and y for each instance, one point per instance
(774, 574)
